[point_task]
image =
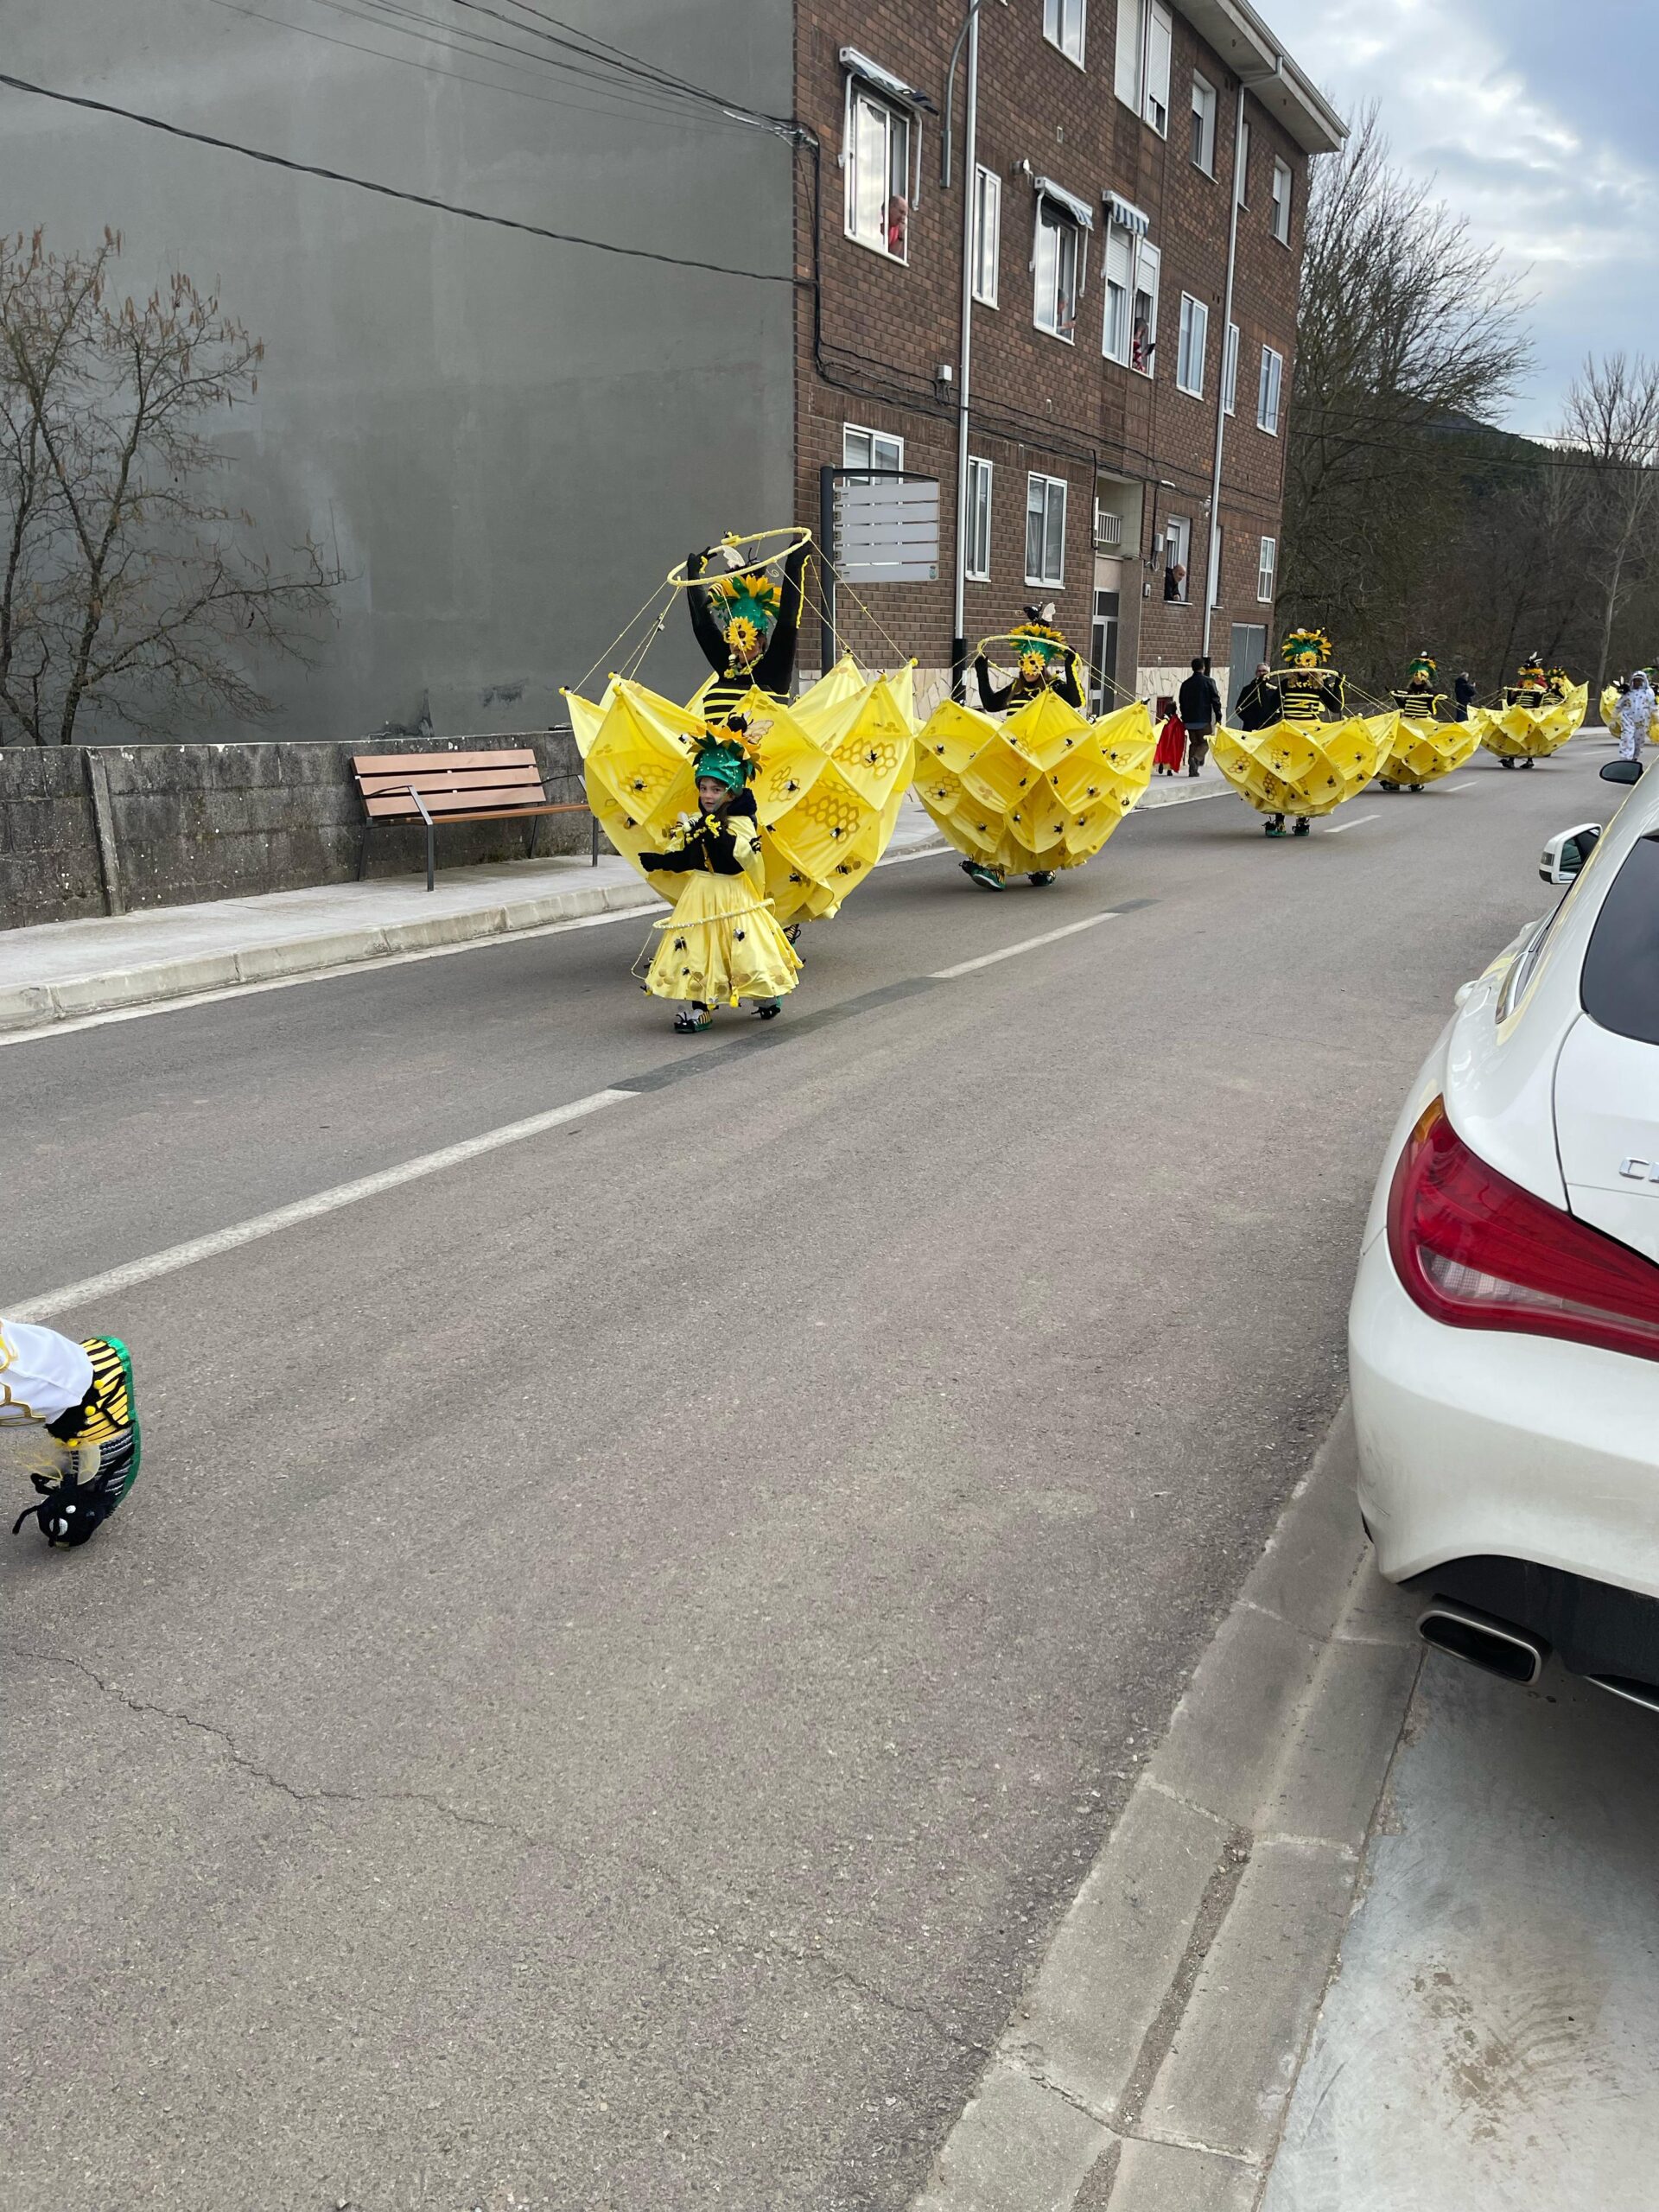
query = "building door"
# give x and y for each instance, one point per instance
(1102, 654)
(1249, 650)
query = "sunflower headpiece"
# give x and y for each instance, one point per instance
(1305, 641)
(1426, 666)
(746, 606)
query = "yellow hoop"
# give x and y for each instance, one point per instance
(677, 579)
(1023, 642)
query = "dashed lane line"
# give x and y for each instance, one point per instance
(93, 1289)
(1336, 829)
(115, 1280)
(1029, 944)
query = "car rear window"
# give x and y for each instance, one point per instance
(1620, 986)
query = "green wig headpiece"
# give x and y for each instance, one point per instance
(1307, 641)
(724, 761)
(1426, 666)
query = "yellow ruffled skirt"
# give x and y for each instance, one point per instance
(722, 942)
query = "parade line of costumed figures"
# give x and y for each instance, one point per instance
(751, 812)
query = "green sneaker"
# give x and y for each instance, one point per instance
(987, 879)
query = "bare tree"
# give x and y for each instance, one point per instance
(1610, 431)
(1406, 333)
(128, 587)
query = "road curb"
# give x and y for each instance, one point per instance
(36, 1006)
(1149, 2063)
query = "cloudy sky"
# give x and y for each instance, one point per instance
(1540, 120)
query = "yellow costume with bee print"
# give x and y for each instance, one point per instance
(723, 942)
(1044, 789)
(1424, 748)
(1316, 755)
(830, 769)
(1542, 709)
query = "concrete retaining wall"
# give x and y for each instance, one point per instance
(187, 822)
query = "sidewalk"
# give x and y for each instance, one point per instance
(61, 971)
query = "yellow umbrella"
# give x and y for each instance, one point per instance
(833, 770)
(1531, 732)
(1042, 791)
(1422, 752)
(1304, 769)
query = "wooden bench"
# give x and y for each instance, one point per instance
(502, 785)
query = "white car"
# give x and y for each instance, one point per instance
(1504, 1337)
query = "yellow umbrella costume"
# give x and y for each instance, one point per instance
(1043, 789)
(1424, 748)
(822, 780)
(1542, 709)
(1316, 755)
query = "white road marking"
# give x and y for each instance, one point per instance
(1468, 786)
(1336, 829)
(1028, 944)
(377, 960)
(167, 1263)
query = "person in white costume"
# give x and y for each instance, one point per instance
(1636, 712)
(68, 1415)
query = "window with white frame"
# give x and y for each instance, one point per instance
(1143, 308)
(1230, 371)
(1046, 529)
(1178, 559)
(1063, 26)
(1242, 172)
(988, 235)
(1267, 570)
(1057, 263)
(1215, 566)
(1204, 124)
(872, 449)
(1120, 283)
(978, 544)
(1281, 182)
(1191, 347)
(877, 157)
(1145, 37)
(1269, 392)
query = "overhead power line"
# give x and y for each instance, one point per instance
(389, 191)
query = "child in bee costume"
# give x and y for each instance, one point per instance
(1417, 698)
(1046, 663)
(1308, 690)
(69, 1420)
(722, 941)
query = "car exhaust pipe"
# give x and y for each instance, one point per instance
(1633, 1693)
(1515, 1654)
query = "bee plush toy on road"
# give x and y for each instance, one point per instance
(68, 1420)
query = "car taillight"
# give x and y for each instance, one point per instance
(1478, 1252)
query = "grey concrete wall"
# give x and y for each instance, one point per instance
(189, 821)
(509, 441)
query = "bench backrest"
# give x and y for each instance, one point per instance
(450, 783)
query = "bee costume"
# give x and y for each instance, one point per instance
(1542, 709)
(1044, 789)
(1317, 756)
(722, 941)
(69, 1418)
(1426, 748)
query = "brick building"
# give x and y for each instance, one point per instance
(1112, 393)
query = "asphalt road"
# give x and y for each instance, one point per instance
(623, 1649)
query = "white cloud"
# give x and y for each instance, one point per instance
(1521, 126)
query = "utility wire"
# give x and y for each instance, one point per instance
(389, 191)
(628, 111)
(612, 58)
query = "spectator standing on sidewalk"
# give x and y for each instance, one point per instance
(1257, 705)
(1199, 708)
(1636, 711)
(1464, 692)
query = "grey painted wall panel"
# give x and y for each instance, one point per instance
(509, 440)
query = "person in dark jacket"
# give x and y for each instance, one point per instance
(1464, 692)
(1199, 706)
(1257, 703)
